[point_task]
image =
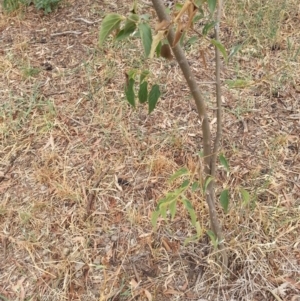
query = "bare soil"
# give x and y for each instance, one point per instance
(81, 172)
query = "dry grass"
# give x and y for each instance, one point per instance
(80, 172)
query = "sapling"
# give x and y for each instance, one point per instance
(183, 21)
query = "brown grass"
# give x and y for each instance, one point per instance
(81, 172)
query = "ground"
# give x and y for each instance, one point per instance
(81, 172)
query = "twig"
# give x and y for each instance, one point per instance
(63, 33)
(216, 143)
(91, 196)
(86, 21)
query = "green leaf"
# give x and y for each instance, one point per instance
(143, 92)
(132, 73)
(109, 23)
(146, 35)
(129, 92)
(198, 229)
(224, 200)
(127, 30)
(163, 211)
(224, 162)
(207, 181)
(212, 5)
(158, 48)
(179, 173)
(191, 41)
(245, 196)
(172, 208)
(143, 75)
(185, 184)
(197, 18)
(201, 154)
(213, 238)
(154, 217)
(190, 239)
(153, 97)
(187, 204)
(178, 6)
(221, 48)
(145, 17)
(208, 27)
(234, 50)
(195, 186)
(238, 83)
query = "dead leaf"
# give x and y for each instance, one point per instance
(191, 13)
(165, 52)
(50, 143)
(202, 55)
(148, 295)
(171, 291)
(184, 8)
(178, 33)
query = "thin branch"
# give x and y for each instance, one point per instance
(218, 92)
(201, 108)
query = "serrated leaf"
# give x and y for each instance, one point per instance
(224, 200)
(109, 23)
(195, 186)
(143, 92)
(143, 75)
(129, 92)
(146, 36)
(127, 30)
(212, 5)
(153, 97)
(207, 27)
(154, 217)
(221, 48)
(173, 208)
(245, 196)
(224, 162)
(179, 173)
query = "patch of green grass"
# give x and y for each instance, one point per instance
(29, 71)
(46, 5)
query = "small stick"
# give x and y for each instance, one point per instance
(65, 33)
(86, 21)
